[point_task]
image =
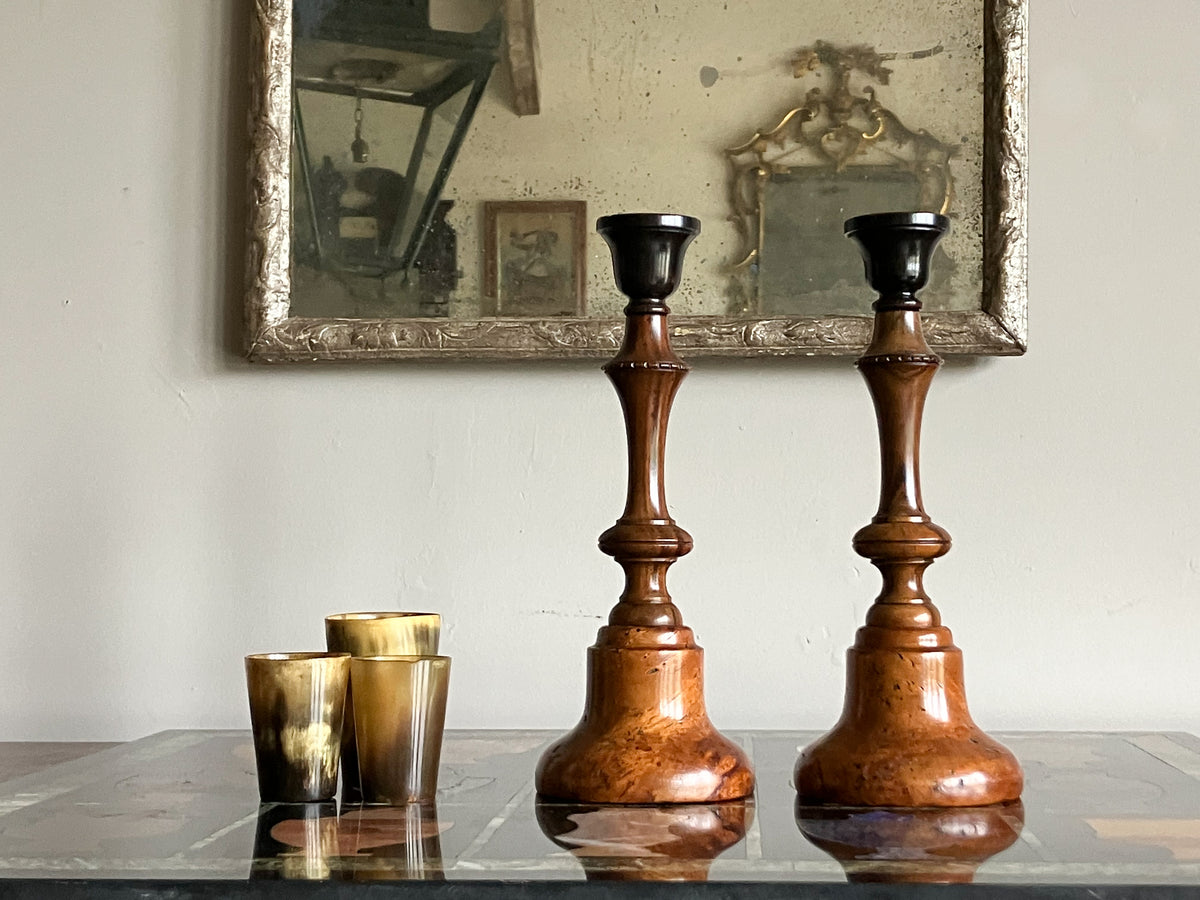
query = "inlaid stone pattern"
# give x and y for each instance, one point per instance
(182, 805)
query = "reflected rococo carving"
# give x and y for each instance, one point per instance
(832, 129)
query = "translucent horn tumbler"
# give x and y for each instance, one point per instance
(399, 717)
(376, 634)
(297, 705)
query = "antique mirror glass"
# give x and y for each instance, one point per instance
(381, 103)
(383, 129)
(843, 153)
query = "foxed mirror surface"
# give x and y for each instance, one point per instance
(808, 209)
(639, 106)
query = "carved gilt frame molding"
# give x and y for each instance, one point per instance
(272, 335)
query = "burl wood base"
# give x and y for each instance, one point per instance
(645, 736)
(905, 737)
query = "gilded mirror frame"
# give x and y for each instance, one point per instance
(998, 327)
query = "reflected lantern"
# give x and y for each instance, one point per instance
(382, 103)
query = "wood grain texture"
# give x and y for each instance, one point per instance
(645, 736)
(905, 737)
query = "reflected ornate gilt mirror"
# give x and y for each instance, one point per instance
(381, 131)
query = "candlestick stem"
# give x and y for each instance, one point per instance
(645, 736)
(905, 737)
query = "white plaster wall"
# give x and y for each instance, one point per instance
(165, 509)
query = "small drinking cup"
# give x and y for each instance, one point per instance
(297, 708)
(399, 718)
(376, 634)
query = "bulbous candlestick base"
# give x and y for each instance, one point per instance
(645, 736)
(905, 737)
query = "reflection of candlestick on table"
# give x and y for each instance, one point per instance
(907, 846)
(645, 736)
(675, 842)
(905, 737)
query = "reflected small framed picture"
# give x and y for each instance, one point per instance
(535, 257)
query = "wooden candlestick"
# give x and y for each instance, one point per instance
(645, 736)
(905, 737)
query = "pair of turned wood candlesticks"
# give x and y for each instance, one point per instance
(905, 738)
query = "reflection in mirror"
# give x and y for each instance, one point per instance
(841, 154)
(357, 257)
(381, 105)
(674, 842)
(893, 846)
(808, 209)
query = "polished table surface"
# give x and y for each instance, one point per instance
(181, 807)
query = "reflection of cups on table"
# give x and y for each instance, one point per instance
(399, 717)
(297, 705)
(295, 840)
(385, 843)
(376, 634)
